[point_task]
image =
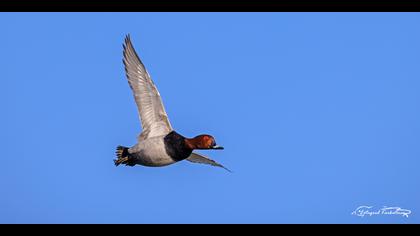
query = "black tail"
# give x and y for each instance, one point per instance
(122, 155)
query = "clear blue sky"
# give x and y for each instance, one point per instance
(318, 113)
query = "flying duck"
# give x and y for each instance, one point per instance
(158, 144)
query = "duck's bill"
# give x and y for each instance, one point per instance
(218, 147)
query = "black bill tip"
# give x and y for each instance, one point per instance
(218, 147)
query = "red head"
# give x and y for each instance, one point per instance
(203, 141)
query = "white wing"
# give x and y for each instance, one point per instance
(197, 158)
(154, 120)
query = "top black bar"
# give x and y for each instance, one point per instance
(208, 6)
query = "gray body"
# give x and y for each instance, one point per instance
(151, 152)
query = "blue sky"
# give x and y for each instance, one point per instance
(318, 114)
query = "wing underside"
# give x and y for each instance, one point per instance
(153, 117)
(198, 158)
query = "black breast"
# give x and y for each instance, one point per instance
(175, 146)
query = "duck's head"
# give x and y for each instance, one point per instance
(203, 141)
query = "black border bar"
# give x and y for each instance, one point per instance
(208, 6)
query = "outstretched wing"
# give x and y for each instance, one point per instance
(197, 158)
(154, 120)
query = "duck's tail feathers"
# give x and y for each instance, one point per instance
(122, 155)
